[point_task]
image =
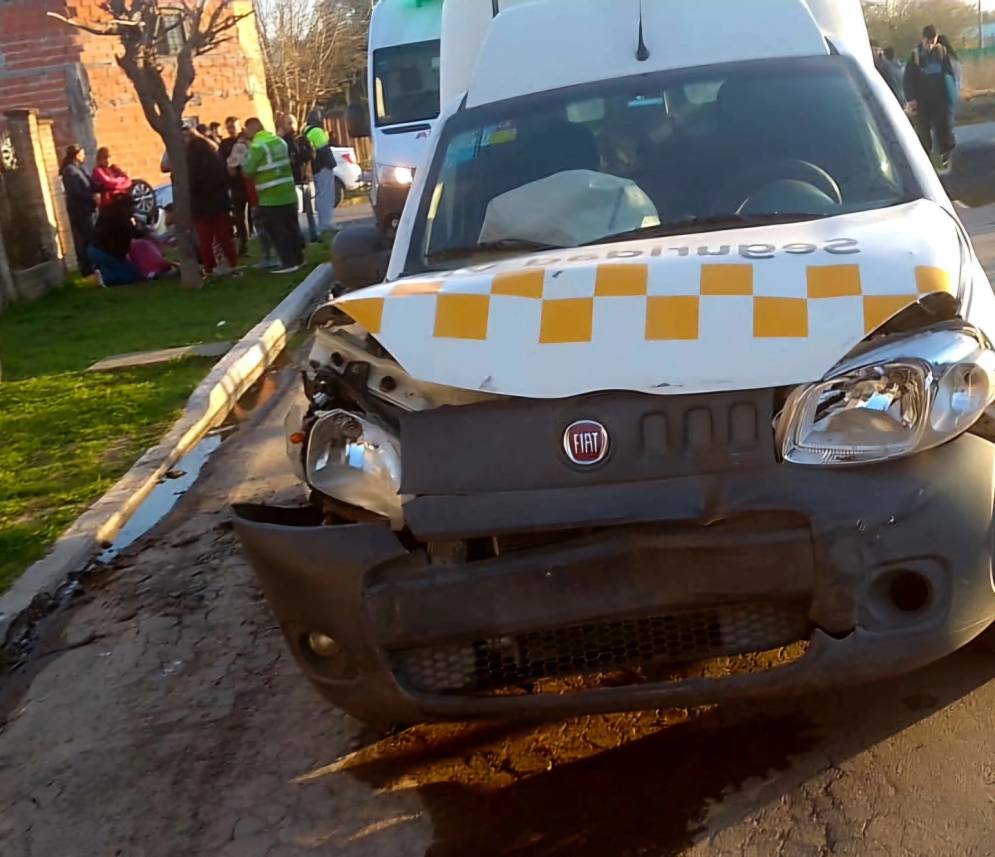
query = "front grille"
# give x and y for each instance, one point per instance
(520, 659)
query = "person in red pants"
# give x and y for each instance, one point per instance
(209, 201)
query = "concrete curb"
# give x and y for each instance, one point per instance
(207, 406)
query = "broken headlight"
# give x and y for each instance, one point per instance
(357, 462)
(895, 400)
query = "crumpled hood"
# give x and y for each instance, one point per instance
(742, 309)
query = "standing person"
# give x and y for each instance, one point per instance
(884, 62)
(955, 64)
(301, 157)
(109, 179)
(323, 167)
(214, 133)
(234, 163)
(236, 184)
(268, 165)
(929, 95)
(80, 203)
(209, 202)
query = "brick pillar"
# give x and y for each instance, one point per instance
(24, 130)
(50, 155)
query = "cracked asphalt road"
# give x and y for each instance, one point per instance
(160, 715)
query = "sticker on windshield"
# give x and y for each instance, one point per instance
(463, 148)
(496, 135)
(646, 101)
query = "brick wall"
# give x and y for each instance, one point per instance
(230, 82)
(37, 58)
(72, 78)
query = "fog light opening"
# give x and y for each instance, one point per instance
(326, 656)
(322, 645)
(909, 592)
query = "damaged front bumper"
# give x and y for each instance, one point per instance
(871, 571)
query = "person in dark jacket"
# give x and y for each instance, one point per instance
(81, 203)
(891, 71)
(301, 159)
(236, 186)
(210, 203)
(928, 94)
(111, 243)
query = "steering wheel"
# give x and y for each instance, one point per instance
(755, 178)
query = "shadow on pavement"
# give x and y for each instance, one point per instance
(642, 783)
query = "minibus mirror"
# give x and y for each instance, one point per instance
(357, 120)
(359, 256)
(971, 177)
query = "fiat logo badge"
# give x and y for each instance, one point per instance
(585, 442)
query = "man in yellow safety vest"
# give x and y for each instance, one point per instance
(268, 165)
(323, 167)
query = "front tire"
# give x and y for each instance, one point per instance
(339, 192)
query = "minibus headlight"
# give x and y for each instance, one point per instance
(392, 175)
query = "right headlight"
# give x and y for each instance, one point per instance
(356, 461)
(892, 401)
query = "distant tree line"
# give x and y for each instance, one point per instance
(899, 23)
(313, 50)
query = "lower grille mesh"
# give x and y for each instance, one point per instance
(497, 662)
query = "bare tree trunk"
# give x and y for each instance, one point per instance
(176, 148)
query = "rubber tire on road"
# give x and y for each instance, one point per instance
(339, 192)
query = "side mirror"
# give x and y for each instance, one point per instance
(357, 120)
(971, 178)
(359, 256)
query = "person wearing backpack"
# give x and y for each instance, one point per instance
(930, 91)
(323, 167)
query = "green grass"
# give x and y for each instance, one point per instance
(67, 436)
(70, 329)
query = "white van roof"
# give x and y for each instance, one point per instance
(536, 45)
(404, 22)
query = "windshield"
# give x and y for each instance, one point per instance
(706, 148)
(406, 78)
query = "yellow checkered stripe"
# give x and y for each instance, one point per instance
(667, 317)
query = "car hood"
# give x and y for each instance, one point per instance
(735, 309)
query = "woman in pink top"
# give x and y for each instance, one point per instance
(109, 179)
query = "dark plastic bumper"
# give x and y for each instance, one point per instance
(833, 538)
(389, 205)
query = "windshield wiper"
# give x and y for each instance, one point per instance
(504, 245)
(705, 224)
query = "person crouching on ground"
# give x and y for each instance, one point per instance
(268, 165)
(122, 250)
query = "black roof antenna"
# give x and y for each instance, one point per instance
(642, 52)
(495, 7)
